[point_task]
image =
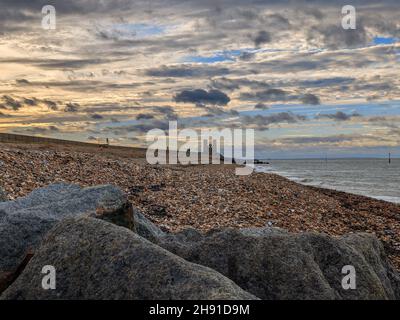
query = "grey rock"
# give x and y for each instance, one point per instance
(145, 228)
(95, 259)
(274, 264)
(374, 253)
(24, 222)
(99, 260)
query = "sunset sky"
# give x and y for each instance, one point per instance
(288, 69)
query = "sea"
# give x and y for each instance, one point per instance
(375, 178)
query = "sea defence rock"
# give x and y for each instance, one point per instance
(145, 228)
(374, 254)
(274, 264)
(24, 222)
(103, 248)
(95, 259)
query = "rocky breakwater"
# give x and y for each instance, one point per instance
(102, 248)
(24, 222)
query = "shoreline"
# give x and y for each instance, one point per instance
(320, 184)
(204, 197)
(379, 198)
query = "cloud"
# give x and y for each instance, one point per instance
(325, 82)
(267, 95)
(261, 106)
(247, 56)
(167, 112)
(276, 95)
(200, 96)
(30, 102)
(338, 116)
(380, 119)
(261, 38)
(11, 103)
(310, 98)
(37, 130)
(186, 71)
(317, 140)
(16, 104)
(85, 85)
(22, 81)
(261, 52)
(2, 115)
(144, 116)
(315, 12)
(145, 127)
(213, 111)
(56, 63)
(374, 86)
(237, 83)
(96, 116)
(278, 20)
(334, 36)
(71, 107)
(52, 105)
(140, 128)
(333, 140)
(263, 122)
(102, 107)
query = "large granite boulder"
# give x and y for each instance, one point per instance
(274, 264)
(373, 252)
(95, 259)
(145, 228)
(98, 259)
(24, 222)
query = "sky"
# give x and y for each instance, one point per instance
(287, 69)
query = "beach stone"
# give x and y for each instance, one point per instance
(157, 210)
(95, 259)
(274, 264)
(25, 221)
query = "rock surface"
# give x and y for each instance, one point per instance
(145, 228)
(24, 222)
(98, 260)
(274, 264)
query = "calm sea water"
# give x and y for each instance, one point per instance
(369, 177)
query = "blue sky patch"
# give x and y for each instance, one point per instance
(384, 40)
